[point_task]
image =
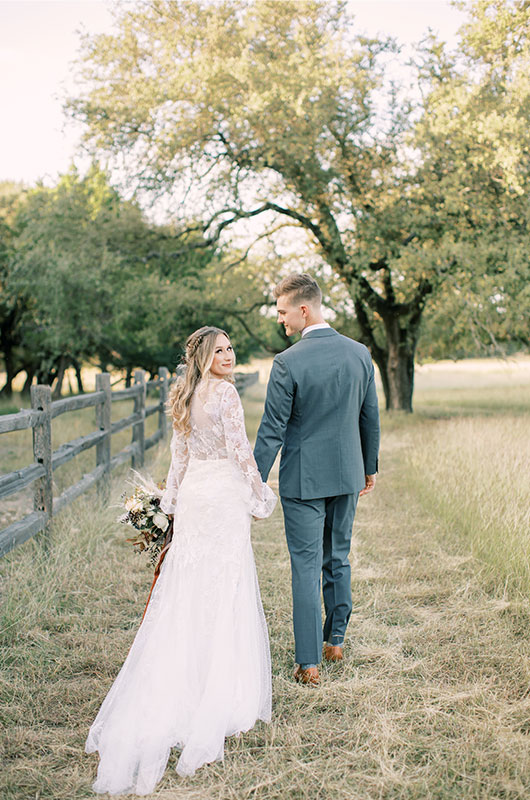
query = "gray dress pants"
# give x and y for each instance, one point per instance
(318, 536)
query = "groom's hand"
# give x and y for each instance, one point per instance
(369, 485)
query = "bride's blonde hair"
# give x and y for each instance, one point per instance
(200, 348)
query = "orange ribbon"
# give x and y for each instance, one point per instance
(163, 552)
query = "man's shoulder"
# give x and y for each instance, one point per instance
(356, 346)
(288, 353)
(298, 349)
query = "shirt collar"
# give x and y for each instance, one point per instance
(315, 327)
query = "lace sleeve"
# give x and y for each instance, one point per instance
(239, 450)
(177, 468)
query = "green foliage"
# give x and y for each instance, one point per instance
(91, 279)
(475, 142)
(11, 305)
(278, 108)
(75, 249)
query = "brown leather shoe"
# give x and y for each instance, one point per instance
(332, 652)
(308, 676)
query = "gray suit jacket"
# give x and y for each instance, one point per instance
(322, 410)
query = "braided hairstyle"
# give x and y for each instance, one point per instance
(198, 358)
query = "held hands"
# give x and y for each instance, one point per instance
(369, 485)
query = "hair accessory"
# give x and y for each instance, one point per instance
(193, 345)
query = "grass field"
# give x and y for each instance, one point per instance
(433, 698)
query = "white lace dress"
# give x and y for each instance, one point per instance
(199, 667)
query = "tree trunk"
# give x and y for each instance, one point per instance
(7, 388)
(27, 383)
(79, 377)
(397, 377)
(397, 366)
(393, 354)
(394, 358)
(128, 377)
(60, 376)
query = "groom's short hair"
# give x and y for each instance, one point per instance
(299, 287)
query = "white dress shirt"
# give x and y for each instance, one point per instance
(315, 327)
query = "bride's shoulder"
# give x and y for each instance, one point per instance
(226, 394)
(220, 389)
(226, 390)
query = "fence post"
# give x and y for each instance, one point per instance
(163, 374)
(41, 400)
(103, 413)
(138, 434)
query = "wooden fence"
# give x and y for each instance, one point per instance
(46, 460)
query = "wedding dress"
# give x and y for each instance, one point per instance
(199, 667)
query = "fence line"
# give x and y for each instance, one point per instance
(40, 417)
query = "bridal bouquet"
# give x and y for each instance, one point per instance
(143, 513)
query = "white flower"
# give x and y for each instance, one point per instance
(160, 520)
(134, 504)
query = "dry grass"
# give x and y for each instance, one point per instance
(16, 450)
(432, 700)
(474, 472)
(474, 386)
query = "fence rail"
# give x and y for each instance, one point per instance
(46, 460)
(40, 473)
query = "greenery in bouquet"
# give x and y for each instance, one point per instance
(144, 515)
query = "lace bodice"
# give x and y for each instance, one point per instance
(217, 432)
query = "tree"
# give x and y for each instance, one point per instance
(85, 277)
(275, 109)
(65, 269)
(11, 306)
(474, 138)
(273, 103)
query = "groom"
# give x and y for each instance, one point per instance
(322, 410)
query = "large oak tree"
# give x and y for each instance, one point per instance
(251, 108)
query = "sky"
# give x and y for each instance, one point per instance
(39, 39)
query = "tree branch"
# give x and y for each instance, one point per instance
(251, 245)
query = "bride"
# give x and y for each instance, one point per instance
(199, 667)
